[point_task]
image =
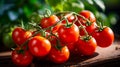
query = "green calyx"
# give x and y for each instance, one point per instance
(21, 51)
(86, 38)
(100, 26)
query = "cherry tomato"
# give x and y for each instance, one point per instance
(87, 14)
(59, 56)
(55, 28)
(53, 40)
(105, 37)
(19, 35)
(21, 59)
(86, 47)
(68, 34)
(69, 17)
(49, 21)
(73, 48)
(39, 46)
(90, 29)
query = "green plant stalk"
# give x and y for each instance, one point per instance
(88, 22)
(86, 33)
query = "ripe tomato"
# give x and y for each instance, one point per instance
(53, 40)
(19, 35)
(21, 59)
(90, 29)
(69, 17)
(87, 14)
(39, 46)
(55, 28)
(68, 34)
(49, 21)
(59, 56)
(73, 48)
(86, 47)
(104, 38)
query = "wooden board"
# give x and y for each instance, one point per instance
(102, 56)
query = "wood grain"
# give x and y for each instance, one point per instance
(101, 56)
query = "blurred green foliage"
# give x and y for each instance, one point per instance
(12, 11)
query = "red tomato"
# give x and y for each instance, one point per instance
(21, 59)
(55, 28)
(87, 14)
(69, 17)
(53, 40)
(19, 35)
(39, 46)
(73, 48)
(59, 56)
(34, 32)
(90, 29)
(49, 21)
(68, 34)
(86, 47)
(104, 38)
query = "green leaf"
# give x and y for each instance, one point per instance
(112, 18)
(33, 1)
(54, 2)
(100, 3)
(90, 1)
(103, 18)
(57, 5)
(75, 6)
(27, 11)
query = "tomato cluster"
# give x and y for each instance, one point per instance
(59, 36)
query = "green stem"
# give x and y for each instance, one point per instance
(26, 42)
(86, 33)
(54, 24)
(22, 24)
(88, 22)
(67, 23)
(100, 25)
(47, 12)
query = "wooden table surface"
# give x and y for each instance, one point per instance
(101, 57)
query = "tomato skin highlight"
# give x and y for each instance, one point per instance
(39, 46)
(19, 35)
(68, 35)
(59, 56)
(86, 47)
(22, 59)
(104, 38)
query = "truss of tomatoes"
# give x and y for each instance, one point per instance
(58, 37)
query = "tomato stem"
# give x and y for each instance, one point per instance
(58, 44)
(86, 33)
(22, 24)
(67, 23)
(88, 22)
(100, 26)
(47, 13)
(54, 24)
